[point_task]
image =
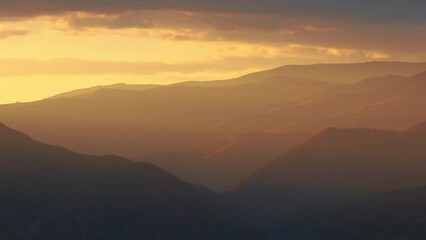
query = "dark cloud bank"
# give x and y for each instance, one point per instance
(380, 10)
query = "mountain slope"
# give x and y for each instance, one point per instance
(418, 129)
(345, 73)
(334, 168)
(389, 107)
(395, 215)
(48, 192)
(328, 73)
(399, 214)
(219, 164)
(87, 91)
(163, 119)
(169, 118)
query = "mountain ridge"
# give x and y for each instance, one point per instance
(334, 167)
(49, 192)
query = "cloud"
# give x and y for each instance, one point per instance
(400, 38)
(181, 19)
(71, 66)
(387, 10)
(10, 33)
(389, 27)
(293, 53)
(126, 20)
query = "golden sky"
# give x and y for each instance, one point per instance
(48, 47)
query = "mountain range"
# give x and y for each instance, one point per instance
(318, 152)
(338, 165)
(344, 184)
(350, 184)
(222, 163)
(48, 192)
(142, 120)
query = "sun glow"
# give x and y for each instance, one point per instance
(58, 52)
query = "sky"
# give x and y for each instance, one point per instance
(53, 46)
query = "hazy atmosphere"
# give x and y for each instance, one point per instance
(50, 46)
(212, 120)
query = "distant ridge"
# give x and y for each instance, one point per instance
(118, 86)
(338, 73)
(345, 73)
(419, 78)
(418, 129)
(170, 118)
(219, 164)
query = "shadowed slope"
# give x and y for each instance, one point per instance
(395, 215)
(336, 167)
(399, 214)
(219, 164)
(51, 193)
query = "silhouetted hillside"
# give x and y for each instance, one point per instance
(219, 164)
(49, 192)
(170, 118)
(395, 215)
(334, 168)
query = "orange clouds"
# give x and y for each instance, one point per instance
(70, 66)
(170, 41)
(278, 30)
(11, 33)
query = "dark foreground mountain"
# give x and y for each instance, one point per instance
(48, 192)
(344, 184)
(335, 168)
(395, 215)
